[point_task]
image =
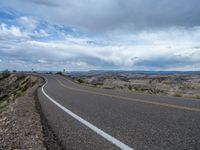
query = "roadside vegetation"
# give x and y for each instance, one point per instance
(177, 95)
(4, 74)
(59, 73)
(13, 86)
(79, 80)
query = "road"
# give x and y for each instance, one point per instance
(84, 117)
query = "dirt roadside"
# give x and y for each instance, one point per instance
(23, 126)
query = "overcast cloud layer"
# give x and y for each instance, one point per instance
(106, 34)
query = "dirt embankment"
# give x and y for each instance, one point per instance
(13, 86)
(22, 125)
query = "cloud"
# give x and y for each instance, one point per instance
(114, 15)
(84, 53)
(42, 61)
(11, 32)
(46, 3)
(168, 62)
(28, 22)
(32, 42)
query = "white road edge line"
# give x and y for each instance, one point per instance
(89, 125)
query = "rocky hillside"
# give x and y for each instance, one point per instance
(13, 86)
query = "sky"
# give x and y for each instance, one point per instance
(81, 35)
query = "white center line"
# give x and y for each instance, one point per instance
(108, 137)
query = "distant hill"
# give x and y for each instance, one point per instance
(123, 72)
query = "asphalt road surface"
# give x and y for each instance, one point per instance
(84, 117)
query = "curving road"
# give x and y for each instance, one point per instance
(90, 118)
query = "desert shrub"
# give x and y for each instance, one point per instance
(136, 88)
(59, 73)
(21, 77)
(5, 73)
(129, 87)
(177, 94)
(196, 96)
(80, 80)
(4, 96)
